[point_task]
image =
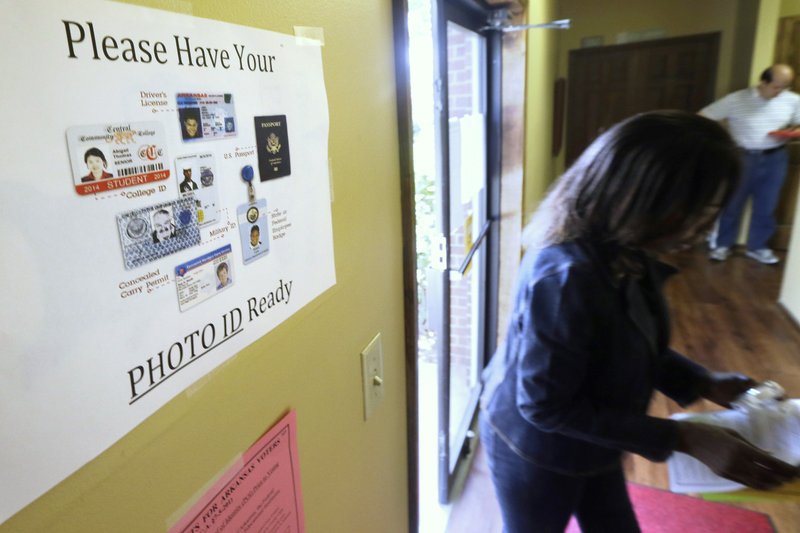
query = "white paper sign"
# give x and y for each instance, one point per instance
(90, 349)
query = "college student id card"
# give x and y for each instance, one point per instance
(253, 230)
(206, 116)
(115, 155)
(203, 277)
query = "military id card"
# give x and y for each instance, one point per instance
(272, 147)
(153, 232)
(197, 175)
(206, 116)
(253, 230)
(115, 155)
(203, 277)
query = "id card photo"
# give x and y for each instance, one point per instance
(156, 231)
(206, 116)
(111, 156)
(203, 277)
(253, 230)
(196, 175)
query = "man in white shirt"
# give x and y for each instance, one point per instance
(751, 114)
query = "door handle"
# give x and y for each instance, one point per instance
(459, 273)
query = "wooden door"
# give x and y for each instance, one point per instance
(609, 83)
(787, 50)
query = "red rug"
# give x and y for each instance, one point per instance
(661, 511)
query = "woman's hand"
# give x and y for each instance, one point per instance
(729, 455)
(722, 388)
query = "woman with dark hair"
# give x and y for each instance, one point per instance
(587, 345)
(96, 163)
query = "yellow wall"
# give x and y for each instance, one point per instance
(766, 34)
(790, 8)
(790, 289)
(548, 52)
(353, 472)
(541, 74)
(676, 17)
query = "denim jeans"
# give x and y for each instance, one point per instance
(536, 500)
(762, 179)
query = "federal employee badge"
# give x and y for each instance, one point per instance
(253, 221)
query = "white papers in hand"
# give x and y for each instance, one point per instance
(774, 429)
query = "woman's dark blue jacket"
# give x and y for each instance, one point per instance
(569, 388)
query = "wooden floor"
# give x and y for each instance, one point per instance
(726, 317)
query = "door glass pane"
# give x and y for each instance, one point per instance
(466, 98)
(466, 348)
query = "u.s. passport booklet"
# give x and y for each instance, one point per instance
(272, 147)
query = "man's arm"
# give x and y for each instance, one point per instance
(795, 121)
(718, 110)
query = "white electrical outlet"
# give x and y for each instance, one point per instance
(372, 375)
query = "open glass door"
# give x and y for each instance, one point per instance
(465, 272)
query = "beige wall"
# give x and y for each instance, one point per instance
(353, 472)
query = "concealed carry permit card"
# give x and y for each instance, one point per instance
(203, 277)
(152, 232)
(253, 229)
(272, 147)
(112, 156)
(196, 175)
(205, 116)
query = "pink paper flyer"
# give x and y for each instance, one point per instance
(261, 493)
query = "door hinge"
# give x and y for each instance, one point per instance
(439, 252)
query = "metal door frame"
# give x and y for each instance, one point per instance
(474, 16)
